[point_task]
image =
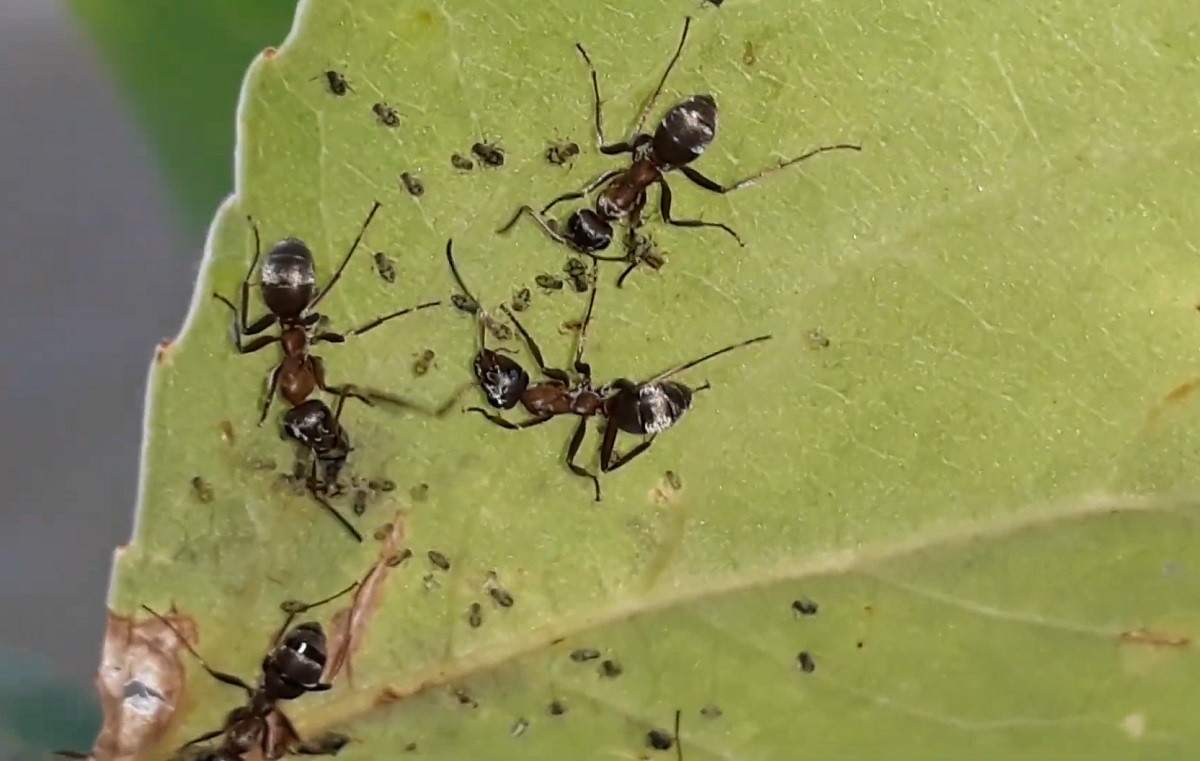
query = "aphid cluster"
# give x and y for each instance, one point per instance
(640, 407)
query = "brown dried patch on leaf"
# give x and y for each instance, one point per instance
(1173, 398)
(141, 682)
(1150, 638)
(349, 624)
(268, 53)
(163, 351)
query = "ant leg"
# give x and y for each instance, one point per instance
(608, 464)
(334, 512)
(220, 676)
(353, 247)
(203, 738)
(497, 420)
(527, 209)
(272, 385)
(665, 209)
(678, 739)
(549, 372)
(595, 183)
(573, 450)
(637, 129)
(595, 95)
(581, 367)
(239, 331)
(249, 274)
(632, 266)
(716, 187)
(380, 320)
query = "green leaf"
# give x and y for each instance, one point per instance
(180, 64)
(962, 443)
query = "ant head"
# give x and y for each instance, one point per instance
(288, 278)
(686, 131)
(502, 378)
(588, 231)
(312, 424)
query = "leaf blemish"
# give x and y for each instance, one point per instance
(1150, 638)
(348, 625)
(140, 681)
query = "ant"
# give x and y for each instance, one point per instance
(642, 408)
(287, 282)
(684, 133)
(292, 668)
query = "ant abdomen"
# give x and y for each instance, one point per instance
(649, 408)
(288, 278)
(686, 131)
(296, 666)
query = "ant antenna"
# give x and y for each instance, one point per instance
(680, 368)
(218, 675)
(295, 607)
(353, 247)
(466, 291)
(257, 248)
(580, 366)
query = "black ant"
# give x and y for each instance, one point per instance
(288, 285)
(327, 444)
(687, 129)
(292, 668)
(642, 408)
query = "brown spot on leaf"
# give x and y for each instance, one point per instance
(269, 53)
(162, 352)
(228, 435)
(348, 625)
(1150, 638)
(141, 682)
(1174, 397)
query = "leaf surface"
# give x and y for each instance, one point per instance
(971, 441)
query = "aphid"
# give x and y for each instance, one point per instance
(711, 711)
(805, 662)
(489, 154)
(685, 132)
(475, 615)
(385, 266)
(561, 153)
(439, 560)
(289, 290)
(465, 699)
(548, 282)
(584, 654)
(412, 184)
(202, 489)
(574, 267)
(748, 56)
(610, 669)
(335, 81)
(292, 668)
(521, 299)
(386, 115)
(579, 283)
(464, 303)
(642, 408)
(387, 484)
(673, 480)
(499, 330)
(557, 708)
(360, 502)
(419, 493)
(423, 362)
(461, 162)
(804, 607)
(501, 596)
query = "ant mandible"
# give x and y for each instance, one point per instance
(292, 668)
(684, 133)
(642, 408)
(289, 289)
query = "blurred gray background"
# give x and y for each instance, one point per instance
(94, 273)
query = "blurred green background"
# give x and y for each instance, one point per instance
(177, 68)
